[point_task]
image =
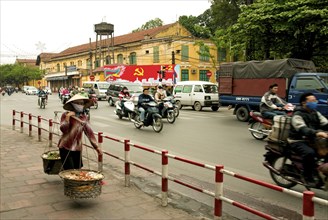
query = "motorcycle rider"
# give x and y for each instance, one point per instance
(159, 96)
(84, 93)
(124, 94)
(144, 98)
(40, 93)
(271, 104)
(74, 91)
(307, 124)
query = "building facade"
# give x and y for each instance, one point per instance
(167, 44)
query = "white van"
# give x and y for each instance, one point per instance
(99, 87)
(197, 94)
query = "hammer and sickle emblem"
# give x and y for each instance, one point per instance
(138, 72)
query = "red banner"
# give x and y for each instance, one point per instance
(145, 74)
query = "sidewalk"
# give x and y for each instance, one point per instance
(28, 193)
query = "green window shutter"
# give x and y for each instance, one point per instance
(120, 59)
(184, 53)
(184, 75)
(204, 52)
(202, 75)
(133, 58)
(156, 54)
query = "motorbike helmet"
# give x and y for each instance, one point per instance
(125, 89)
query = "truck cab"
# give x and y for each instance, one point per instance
(315, 83)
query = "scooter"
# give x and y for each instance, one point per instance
(175, 106)
(260, 127)
(152, 117)
(65, 98)
(168, 110)
(286, 168)
(94, 98)
(127, 110)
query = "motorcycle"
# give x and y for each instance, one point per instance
(42, 101)
(65, 98)
(260, 127)
(168, 110)
(175, 106)
(152, 117)
(127, 110)
(94, 98)
(286, 168)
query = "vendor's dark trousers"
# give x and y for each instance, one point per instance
(308, 155)
(70, 159)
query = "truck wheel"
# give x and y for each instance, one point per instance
(197, 106)
(215, 108)
(242, 114)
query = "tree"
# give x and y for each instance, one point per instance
(16, 74)
(149, 25)
(282, 28)
(224, 13)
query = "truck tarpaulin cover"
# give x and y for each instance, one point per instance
(284, 68)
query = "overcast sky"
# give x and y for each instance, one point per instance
(30, 27)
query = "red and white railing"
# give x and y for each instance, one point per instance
(307, 197)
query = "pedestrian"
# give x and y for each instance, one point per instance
(70, 143)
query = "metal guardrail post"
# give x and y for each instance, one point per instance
(22, 121)
(218, 192)
(39, 128)
(50, 132)
(100, 156)
(30, 125)
(165, 175)
(127, 162)
(308, 205)
(14, 113)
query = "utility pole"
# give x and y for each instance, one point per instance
(173, 57)
(90, 57)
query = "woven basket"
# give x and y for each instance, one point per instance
(81, 188)
(51, 166)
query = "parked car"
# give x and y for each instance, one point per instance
(31, 90)
(135, 89)
(25, 88)
(197, 94)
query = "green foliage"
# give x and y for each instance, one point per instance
(195, 25)
(281, 28)
(149, 25)
(16, 74)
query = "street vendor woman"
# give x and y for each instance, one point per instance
(70, 143)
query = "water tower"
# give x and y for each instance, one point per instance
(107, 30)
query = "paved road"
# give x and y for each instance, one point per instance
(206, 137)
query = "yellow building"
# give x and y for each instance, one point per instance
(149, 47)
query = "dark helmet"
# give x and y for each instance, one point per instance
(124, 88)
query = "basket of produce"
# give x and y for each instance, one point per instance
(82, 183)
(51, 162)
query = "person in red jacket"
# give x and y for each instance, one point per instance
(70, 143)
